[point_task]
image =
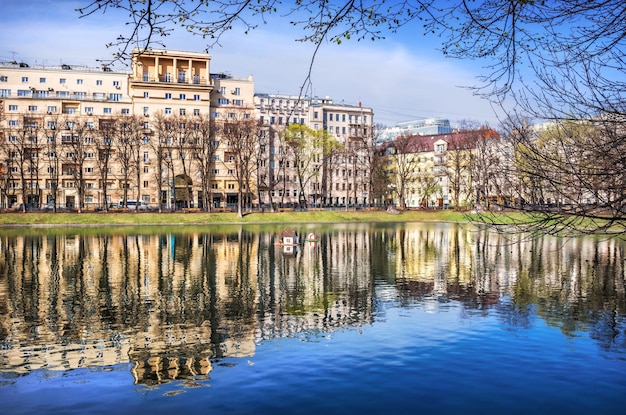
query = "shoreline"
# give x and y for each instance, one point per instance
(41, 220)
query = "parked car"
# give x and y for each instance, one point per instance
(133, 204)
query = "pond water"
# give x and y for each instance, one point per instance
(370, 318)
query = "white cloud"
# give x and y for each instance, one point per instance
(398, 81)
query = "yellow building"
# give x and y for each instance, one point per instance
(79, 137)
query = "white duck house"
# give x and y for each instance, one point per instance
(289, 237)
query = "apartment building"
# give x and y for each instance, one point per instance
(440, 170)
(335, 178)
(80, 137)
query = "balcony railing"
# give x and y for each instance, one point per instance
(172, 80)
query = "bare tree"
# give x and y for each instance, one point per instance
(264, 179)
(405, 163)
(158, 138)
(75, 140)
(240, 133)
(205, 135)
(52, 153)
(23, 155)
(458, 164)
(185, 151)
(125, 155)
(105, 139)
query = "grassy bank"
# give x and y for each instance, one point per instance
(105, 219)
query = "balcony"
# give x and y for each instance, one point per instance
(170, 80)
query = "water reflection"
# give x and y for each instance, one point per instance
(173, 304)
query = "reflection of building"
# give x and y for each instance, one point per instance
(168, 303)
(173, 303)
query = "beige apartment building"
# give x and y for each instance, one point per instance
(73, 133)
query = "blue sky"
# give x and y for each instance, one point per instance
(402, 77)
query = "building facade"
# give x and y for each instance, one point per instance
(81, 137)
(338, 169)
(169, 134)
(459, 169)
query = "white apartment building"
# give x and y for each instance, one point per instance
(341, 177)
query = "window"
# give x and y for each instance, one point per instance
(145, 157)
(4, 78)
(12, 107)
(146, 94)
(168, 95)
(223, 90)
(125, 111)
(231, 186)
(115, 97)
(13, 123)
(222, 101)
(216, 171)
(7, 92)
(145, 183)
(116, 84)
(237, 91)
(168, 111)
(231, 171)
(214, 186)
(42, 80)
(32, 108)
(62, 81)
(88, 169)
(146, 169)
(196, 97)
(238, 102)
(183, 97)
(196, 111)
(145, 110)
(315, 115)
(182, 111)
(98, 82)
(89, 110)
(79, 82)
(108, 111)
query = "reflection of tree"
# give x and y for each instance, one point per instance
(173, 302)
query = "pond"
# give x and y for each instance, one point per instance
(368, 318)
